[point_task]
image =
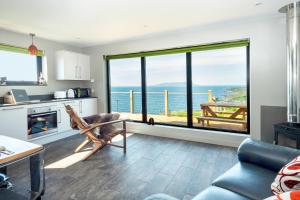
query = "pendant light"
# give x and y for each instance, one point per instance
(32, 49)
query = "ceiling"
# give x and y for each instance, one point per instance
(93, 22)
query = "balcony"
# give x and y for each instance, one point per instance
(168, 107)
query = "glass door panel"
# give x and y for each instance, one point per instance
(125, 83)
(166, 89)
(220, 89)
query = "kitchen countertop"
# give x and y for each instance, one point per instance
(43, 101)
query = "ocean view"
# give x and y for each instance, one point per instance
(120, 97)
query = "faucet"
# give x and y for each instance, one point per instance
(3, 80)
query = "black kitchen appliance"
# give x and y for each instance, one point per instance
(82, 92)
(41, 121)
(289, 130)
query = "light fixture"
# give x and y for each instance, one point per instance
(32, 49)
(258, 3)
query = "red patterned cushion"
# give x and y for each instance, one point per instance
(288, 178)
(291, 195)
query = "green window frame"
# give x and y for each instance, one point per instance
(204, 47)
(6, 47)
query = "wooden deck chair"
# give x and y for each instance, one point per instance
(100, 134)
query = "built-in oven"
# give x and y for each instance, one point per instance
(41, 121)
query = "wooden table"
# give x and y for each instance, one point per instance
(22, 150)
(210, 114)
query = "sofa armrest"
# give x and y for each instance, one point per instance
(160, 197)
(269, 156)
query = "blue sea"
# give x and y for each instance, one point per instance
(120, 102)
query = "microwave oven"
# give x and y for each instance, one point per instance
(82, 92)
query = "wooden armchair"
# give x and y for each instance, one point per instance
(98, 129)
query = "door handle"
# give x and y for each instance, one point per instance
(80, 106)
(43, 114)
(79, 67)
(65, 102)
(77, 71)
(59, 121)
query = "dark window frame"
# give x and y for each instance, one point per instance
(189, 94)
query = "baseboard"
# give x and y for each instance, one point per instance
(53, 137)
(196, 135)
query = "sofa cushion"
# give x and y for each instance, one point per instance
(215, 193)
(248, 180)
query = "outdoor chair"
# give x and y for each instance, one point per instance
(98, 129)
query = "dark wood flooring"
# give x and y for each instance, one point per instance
(151, 165)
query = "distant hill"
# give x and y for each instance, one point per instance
(171, 84)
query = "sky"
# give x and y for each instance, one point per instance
(214, 67)
(18, 66)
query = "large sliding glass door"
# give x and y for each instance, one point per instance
(203, 87)
(166, 89)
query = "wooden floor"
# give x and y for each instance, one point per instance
(151, 165)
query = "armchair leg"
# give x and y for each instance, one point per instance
(124, 142)
(97, 147)
(83, 144)
(124, 137)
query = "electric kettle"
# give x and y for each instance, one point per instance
(70, 93)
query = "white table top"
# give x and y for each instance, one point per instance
(20, 148)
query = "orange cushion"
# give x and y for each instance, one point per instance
(291, 195)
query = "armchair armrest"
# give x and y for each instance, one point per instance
(96, 125)
(269, 156)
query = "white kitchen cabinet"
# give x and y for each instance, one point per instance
(72, 66)
(88, 107)
(83, 107)
(63, 118)
(13, 122)
(84, 67)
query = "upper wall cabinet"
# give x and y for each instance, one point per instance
(72, 66)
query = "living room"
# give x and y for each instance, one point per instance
(149, 100)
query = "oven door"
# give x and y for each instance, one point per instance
(42, 123)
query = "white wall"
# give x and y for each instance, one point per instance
(267, 56)
(49, 47)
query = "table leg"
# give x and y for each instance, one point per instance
(3, 170)
(37, 175)
(276, 137)
(298, 142)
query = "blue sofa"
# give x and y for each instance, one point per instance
(250, 178)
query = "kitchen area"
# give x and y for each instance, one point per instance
(34, 110)
(35, 88)
(44, 120)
